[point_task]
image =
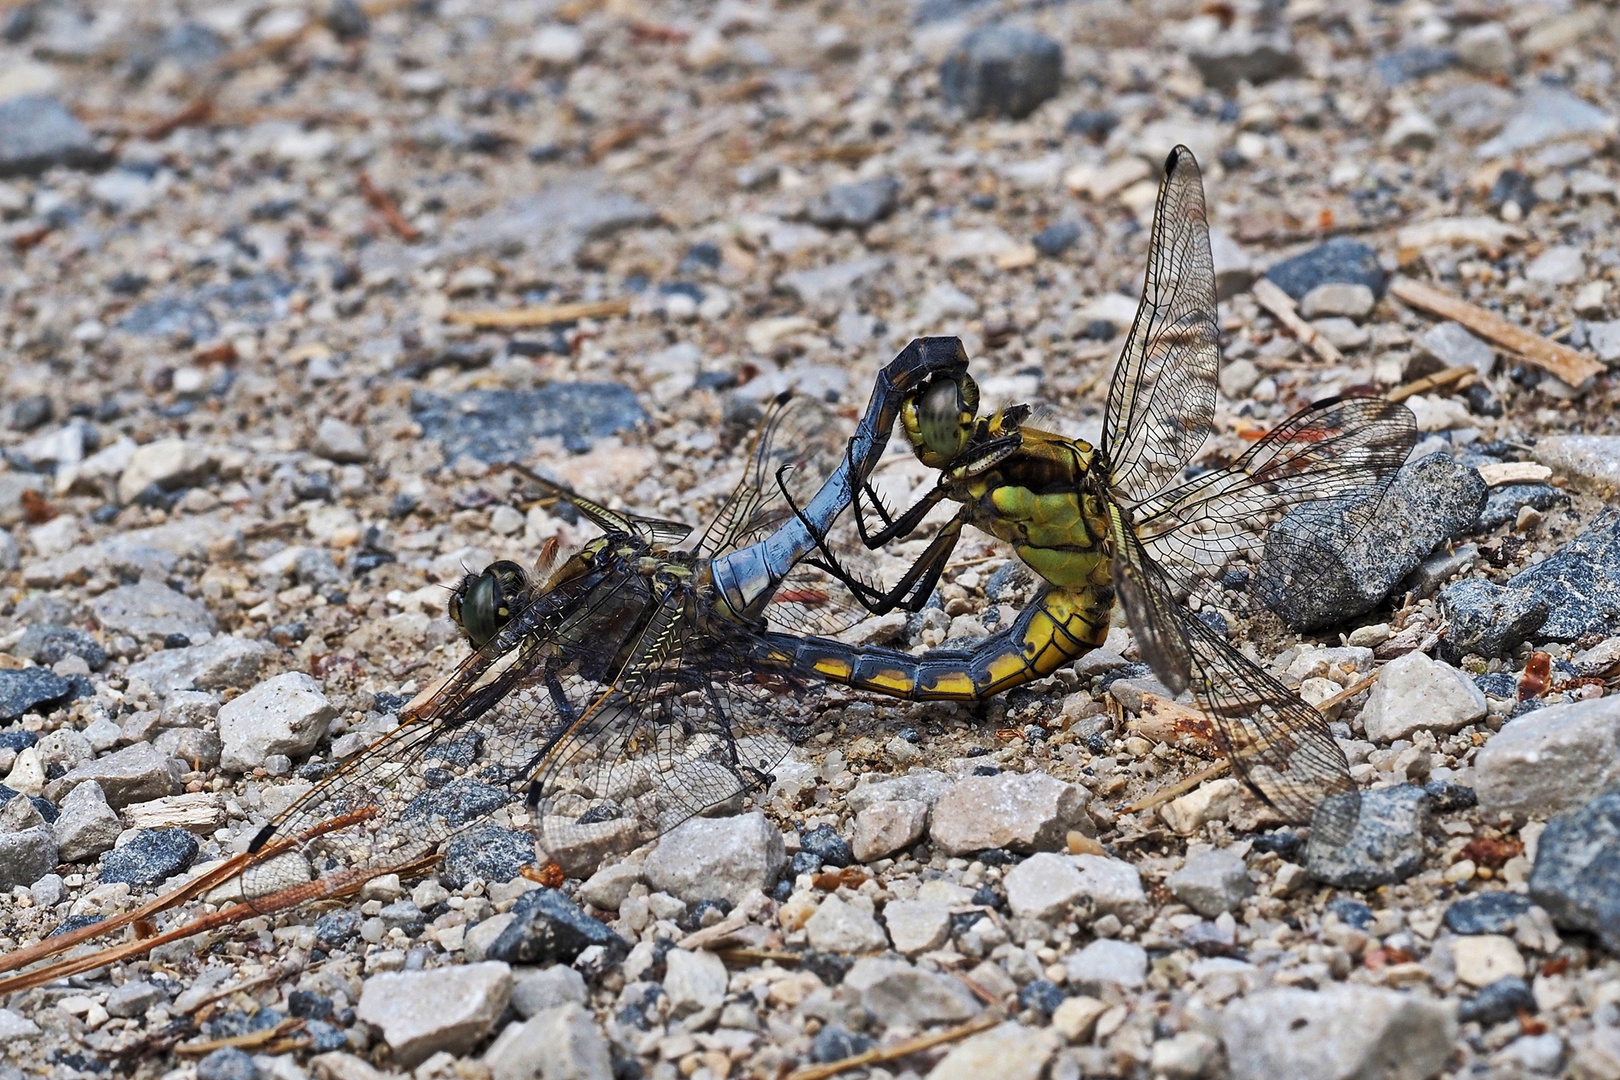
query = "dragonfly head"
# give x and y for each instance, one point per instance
(939, 419)
(484, 603)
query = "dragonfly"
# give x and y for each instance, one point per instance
(1122, 523)
(605, 699)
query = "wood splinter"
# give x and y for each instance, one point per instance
(1281, 306)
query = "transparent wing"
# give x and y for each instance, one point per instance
(1335, 449)
(1162, 400)
(657, 531)
(1280, 746)
(692, 726)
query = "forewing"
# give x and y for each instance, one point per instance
(1162, 400)
(1280, 746)
(1337, 450)
(690, 727)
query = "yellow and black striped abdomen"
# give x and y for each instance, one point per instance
(1058, 628)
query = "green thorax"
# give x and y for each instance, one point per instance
(1043, 501)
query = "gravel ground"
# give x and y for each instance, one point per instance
(247, 427)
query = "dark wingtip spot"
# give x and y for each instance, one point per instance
(784, 397)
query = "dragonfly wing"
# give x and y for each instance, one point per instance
(690, 726)
(1161, 403)
(1280, 746)
(657, 531)
(1333, 453)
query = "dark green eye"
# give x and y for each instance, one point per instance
(484, 603)
(940, 420)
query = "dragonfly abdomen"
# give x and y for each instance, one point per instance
(1058, 628)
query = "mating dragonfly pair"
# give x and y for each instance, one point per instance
(638, 683)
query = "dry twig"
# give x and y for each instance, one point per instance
(1271, 297)
(879, 1054)
(382, 202)
(539, 314)
(1568, 365)
(1461, 375)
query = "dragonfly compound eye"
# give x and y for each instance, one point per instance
(483, 603)
(941, 420)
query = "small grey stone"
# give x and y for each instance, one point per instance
(1546, 114)
(137, 773)
(717, 858)
(1106, 962)
(64, 748)
(1486, 913)
(1430, 501)
(548, 928)
(149, 610)
(150, 857)
(423, 1012)
(917, 926)
(14, 1025)
(134, 998)
(536, 991)
(27, 846)
(1002, 69)
(486, 852)
(1578, 586)
(1211, 882)
(1561, 264)
(227, 1063)
(1452, 345)
(1503, 503)
(1417, 62)
(48, 891)
(855, 205)
(1057, 238)
(1486, 47)
(894, 992)
(694, 981)
(501, 425)
(884, 828)
(1351, 299)
(836, 282)
(1386, 846)
(45, 644)
(38, 132)
(606, 889)
(25, 689)
(225, 662)
(561, 1043)
(1594, 459)
(1343, 1030)
(1577, 872)
(1046, 886)
(839, 927)
(1339, 260)
(87, 826)
(1551, 760)
(1415, 693)
(198, 749)
(340, 441)
(1241, 53)
(919, 785)
(1019, 811)
(10, 558)
(286, 714)
(1008, 1051)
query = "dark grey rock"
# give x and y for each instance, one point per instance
(500, 425)
(347, 19)
(1502, 505)
(1445, 797)
(1502, 1000)
(169, 316)
(1487, 913)
(336, 928)
(1578, 588)
(825, 844)
(403, 915)
(153, 856)
(45, 645)
(1417, 62)
(228, 1063)
(1008, 70)
(1055, 239)
(460, 802)
(835, 1043)
(1351, 912)
(1242, 54)
(193, 45)
(31, 412)
(256, 300)
(1386, 846)
(134, 998)
(1340, 259)
(486, 853)
(1431, 500)
(855, 205)
(27, 846)
(38, 132)
(23, 689)
(1577, 872)
(549, 928)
